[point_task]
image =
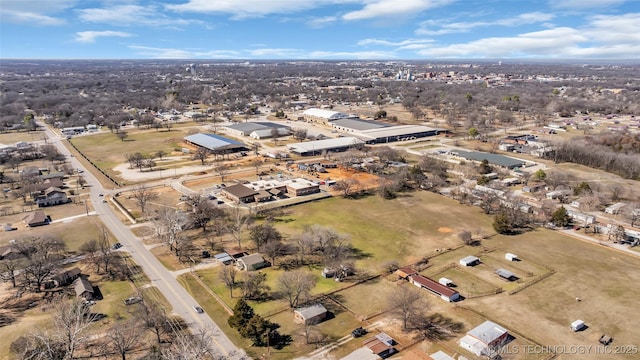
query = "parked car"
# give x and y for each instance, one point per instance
(198, 309)
(132, 300)
(116, 246)
(356, 333)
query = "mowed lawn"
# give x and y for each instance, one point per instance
(403, 230)
(606, 282)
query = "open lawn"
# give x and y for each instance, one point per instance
(12, 137)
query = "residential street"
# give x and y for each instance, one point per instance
(181, 301)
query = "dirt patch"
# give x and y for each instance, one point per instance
(445, 230)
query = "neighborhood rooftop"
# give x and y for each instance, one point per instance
(500, 160)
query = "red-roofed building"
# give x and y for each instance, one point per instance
(435, 287)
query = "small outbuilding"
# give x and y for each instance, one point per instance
(224, 258)
(381, 345)
(446, 282)
(310, 315)
(511, 257)
(469, 261)
(405, 272)
(577, 325)
(441, 355)
(506, 274)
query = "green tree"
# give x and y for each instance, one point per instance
(257, 330)
(380, 114)
(582, 188)
(242, 313)
(561, 217)
(473, 132)
(485, 168)
(502, 223)
(540, 175)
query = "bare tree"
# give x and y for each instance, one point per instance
(222, 170)
(406, 302)
(71, 321)
(188, 346)
(296, 286)
(261, 234)
(237, 223)
(123, 337)
(42, 258)
(254, 286)
(228, 276)
(153, 317)
(9, 271)
(347, 186)
(143, 195)
(122, 135)
(465, 237)
(201, 154)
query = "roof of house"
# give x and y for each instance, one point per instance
(82, 285)
(487, 332)
(36, 217)
(223, 257)
(433, 285)
(213, 142)
(252, 259)
(379, 344)
(309, 312)
(239, 191)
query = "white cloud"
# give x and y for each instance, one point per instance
(241, 9)
(322, 21)
(131, 15)
(440, 27)
(584, 4)
(402, 43)
(390, 8)
(274, 53)
(169, 53)
(91, 36)
(34, 12)
(341, 55)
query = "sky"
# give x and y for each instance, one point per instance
(320, 29)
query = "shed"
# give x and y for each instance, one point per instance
(444, 281)
(312, 314)
(381, 345)
(405, 272)
(506, 274)
(445, 293)
(224, 258)
(485, 339)
(577, 325)
(252, 262)
(511, 257)
(469, 261)
(440, 355)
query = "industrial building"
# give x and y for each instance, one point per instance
(319, 146)
(397, 133)
(263, 129)
(215, 143)
(323, 116)
(493, 159)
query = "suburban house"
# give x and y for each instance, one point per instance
(67, 277)
(36, 218)
(52, 196)
(9, 252)
(381, 345)
(240, 193)
(485, 339)
(252, 262)
(310, 315)
(445, 292)
(83, 287)
(469, 261)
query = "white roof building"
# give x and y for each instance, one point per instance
(318, 146)
(315, 114)
(484, 339)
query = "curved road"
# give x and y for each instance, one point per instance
(181, 301)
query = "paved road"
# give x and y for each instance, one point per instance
(181, 301)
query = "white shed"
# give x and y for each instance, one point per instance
(444, 281)
(511, 257)
(469, 261)
(577, 325)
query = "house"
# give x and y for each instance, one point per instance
(36, 218)
(615, 208)
(67, 277)
(236, 253)
(511, 257)
(83, 287)
(310, 315)
(445, 293)
(578, 325)
(440, 355)
(240, 193)
(52, 196)
(9, 252)
(485, 339)
(506, 274)
(381, 345)
(469, 261)
(252, 262)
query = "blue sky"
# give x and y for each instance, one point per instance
(320, 29)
